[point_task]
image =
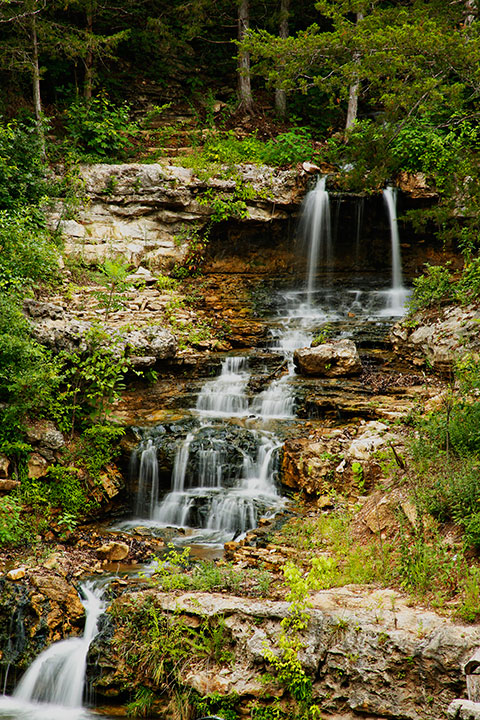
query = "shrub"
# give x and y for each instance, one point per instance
(22, 170)
(289, 148)
(468, 287)
(12, 528)
(432, 288)
(100, 128)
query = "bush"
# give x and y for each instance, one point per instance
(27, 251)
(229, 149)
(432, 288)
(27, 374)
(468, 287)
(12, 527)
(22, 170)
(100, 128)
(289, 148)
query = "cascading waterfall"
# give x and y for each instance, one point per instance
(224, 470)
(398, 292)
(53, 685)
(223, 473)
(316, 228)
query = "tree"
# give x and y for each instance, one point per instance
(280, 94)
(244, 82)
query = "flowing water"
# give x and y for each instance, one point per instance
(226, 463)
(53, 686)
(224, 473)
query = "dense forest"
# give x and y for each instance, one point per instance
(370, 93)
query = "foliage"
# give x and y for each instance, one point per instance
(92, 377)
(434, 287)
(177, 571)
(196, 241)
(289, 148)
(22, 170)
(28, 377)
(159, 646)
(99, 129)
(228, 149)
(438, 286)
(287, 664)
(13, 530)
(115, 279)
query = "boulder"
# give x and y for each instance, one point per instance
(438, 340)
(4, 466)
(37, 466)
(113, 551)
(331, 359)
(463, 710)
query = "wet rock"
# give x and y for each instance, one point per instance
(332, 359)
(113, 551)
(438, 339)
(59, 591)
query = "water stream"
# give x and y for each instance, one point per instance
(53, 686)
(225, 468)
(224, 475)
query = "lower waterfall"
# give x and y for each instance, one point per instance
(53, 686)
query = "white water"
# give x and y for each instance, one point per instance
(53, 685)
(316, 228)
(209, 490)
(398, 293)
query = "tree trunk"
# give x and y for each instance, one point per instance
(280, 95)
(353, 92)
(244, 85)
(88, 82)
(37, 99)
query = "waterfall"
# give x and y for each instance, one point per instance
(398, 292)
(54, 683)
(316, 229)
(223, 475)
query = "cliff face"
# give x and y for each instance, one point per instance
(139, 212)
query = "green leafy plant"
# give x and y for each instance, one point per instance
(434, 287)
(100, 129)
(13, 530)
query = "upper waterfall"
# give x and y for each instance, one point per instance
(316, 227)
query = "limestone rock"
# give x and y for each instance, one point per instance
(135, 211)
(58, 590)
(463, 710)
(68, 333)
(7, 485)
(368, 651)
(16, 574)
(37, 466)
(4, 466)
(333, 359)
(416, 185)
(438, 340)
(372, 437)
(113, 551)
